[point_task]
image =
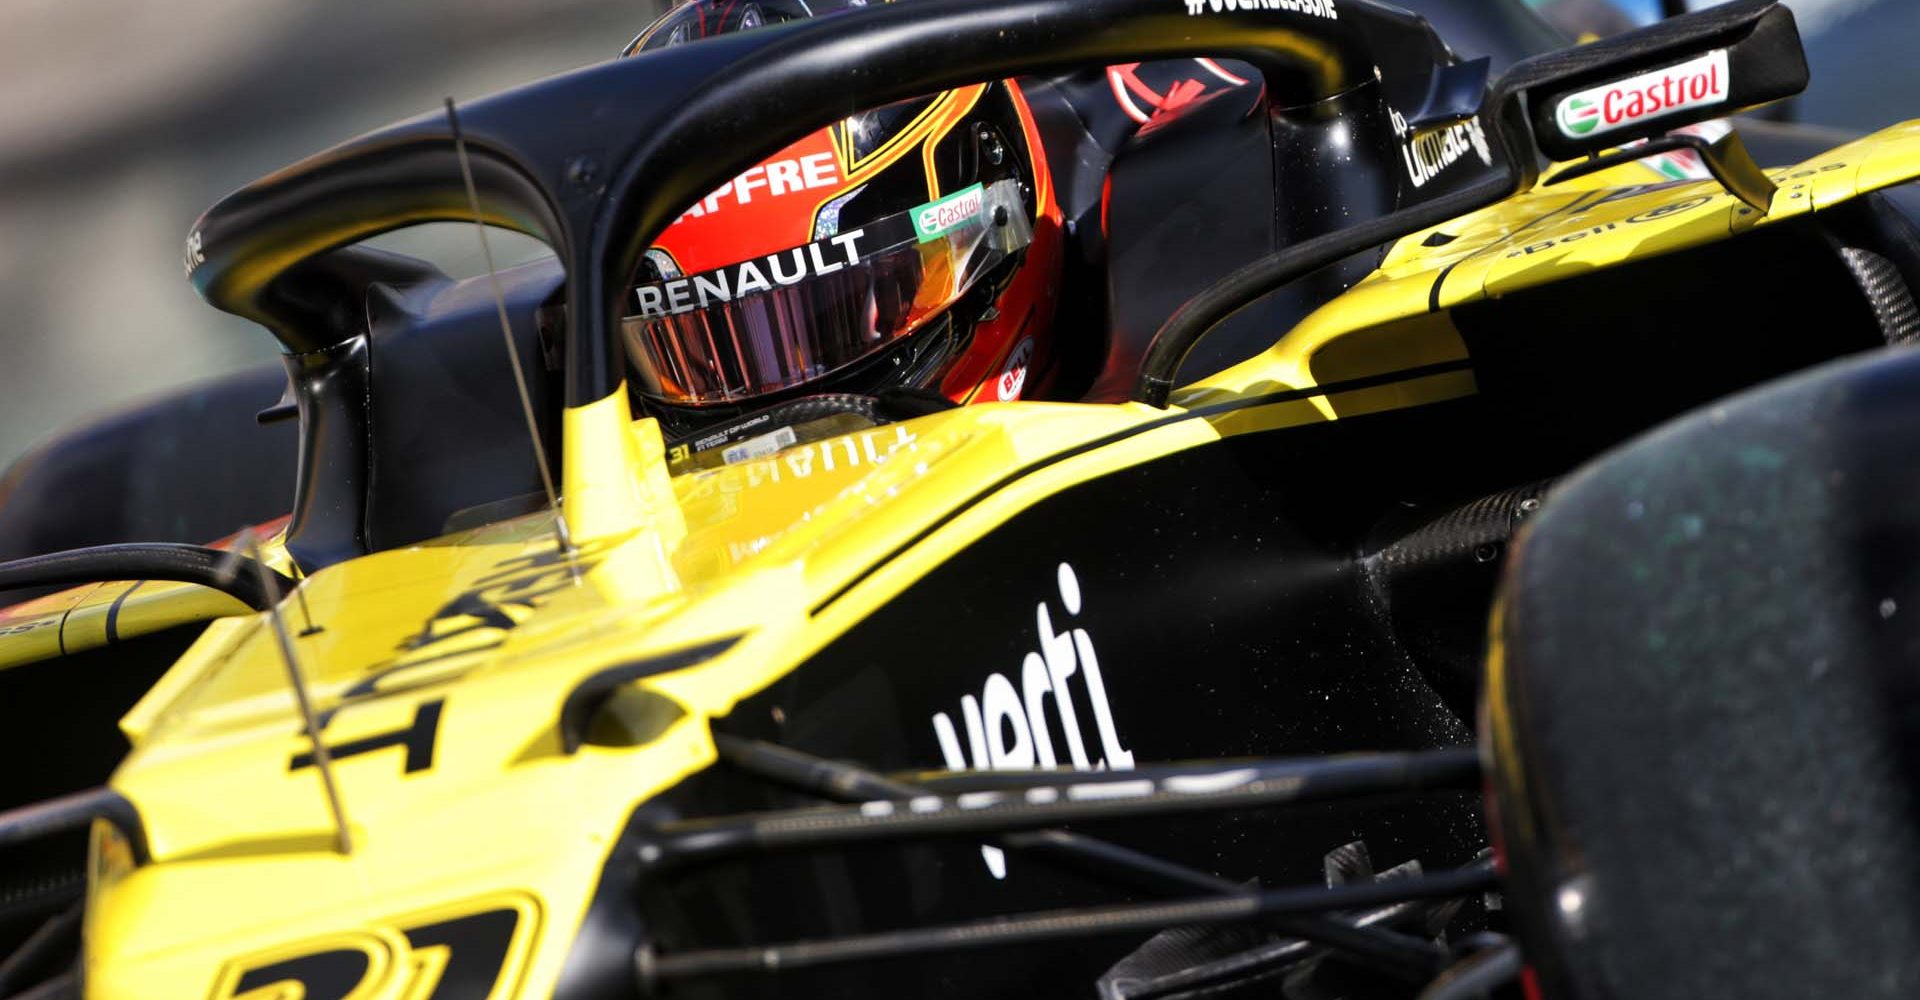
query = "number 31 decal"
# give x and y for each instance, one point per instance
(476, 955)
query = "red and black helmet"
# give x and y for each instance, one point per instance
(915, 244)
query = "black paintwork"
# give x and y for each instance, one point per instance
(63, 715)
(448, 430)
(331, 387)
(1216, 539)
(416, 417)
(1190, 197)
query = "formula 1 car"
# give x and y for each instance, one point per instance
(1161, 684)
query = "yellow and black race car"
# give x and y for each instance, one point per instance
(696, 641)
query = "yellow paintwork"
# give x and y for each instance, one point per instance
(77, 619)
(787, 552)
(31, 631)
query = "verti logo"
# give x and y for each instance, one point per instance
(1698, 83)
(1008, 727)
(1579, 116)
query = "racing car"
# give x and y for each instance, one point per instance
(772, 594)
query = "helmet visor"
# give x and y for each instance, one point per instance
(774, 322)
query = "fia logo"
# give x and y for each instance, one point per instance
(1009, 728)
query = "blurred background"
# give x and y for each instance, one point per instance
(123, 119)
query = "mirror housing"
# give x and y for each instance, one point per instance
(1681, 72)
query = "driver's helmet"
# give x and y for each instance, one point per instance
(913, 245)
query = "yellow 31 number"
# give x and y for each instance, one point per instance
(473, 956)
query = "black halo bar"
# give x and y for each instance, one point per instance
(1089, 855)
(146, 561)
(1155, 791)
(1033, 928)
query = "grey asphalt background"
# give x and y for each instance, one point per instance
(120, 120)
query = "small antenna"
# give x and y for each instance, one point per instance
(513, 355)
(300, 593)
(248, 546)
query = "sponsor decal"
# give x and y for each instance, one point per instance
(1665, 211)
(1429, 153)
(716, 440)
(1014, 377)
(1697, 83)
(1311, 8)
(776, 178)
(749, 277)
(835, 460)
(1685, 164)
(467, 949)
(1675, 208)
(475, 620)
(759, 447)
(1008, 726)
(195, 254)
(1143, 89)
(800, 461)
(1654, 214)
(29, 626)
(937, 218)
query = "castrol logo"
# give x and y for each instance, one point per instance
(1698, 83)
(936, 218)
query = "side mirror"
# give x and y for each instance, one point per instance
(1680, 72)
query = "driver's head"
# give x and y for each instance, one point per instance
(914, 244)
